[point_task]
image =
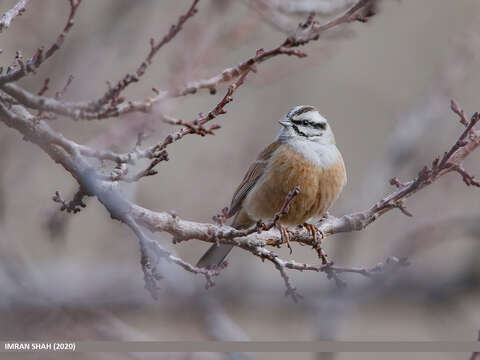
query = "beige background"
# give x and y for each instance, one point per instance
(385, 88)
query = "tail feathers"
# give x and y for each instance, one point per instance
(214, 255)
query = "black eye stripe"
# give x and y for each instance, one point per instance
(315, 125)
(297, 130)
(303, 122)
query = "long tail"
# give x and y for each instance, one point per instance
(216, 254)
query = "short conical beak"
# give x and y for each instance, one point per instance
(285, 123)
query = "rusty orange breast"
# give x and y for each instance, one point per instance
(319, 187)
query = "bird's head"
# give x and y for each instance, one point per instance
(305, 122)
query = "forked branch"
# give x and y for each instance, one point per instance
(16, 104)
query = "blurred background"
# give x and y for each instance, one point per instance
(385, 87)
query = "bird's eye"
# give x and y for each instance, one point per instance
(321, 125)
(304, 123)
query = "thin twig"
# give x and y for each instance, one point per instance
(113, 94)
(11, 14)
(40, 55)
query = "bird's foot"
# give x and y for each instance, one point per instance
(284, 232)
(317, 243)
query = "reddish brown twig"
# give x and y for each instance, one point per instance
(62, 92)
(202, 119)
(117, 105)
(468, 141)
(113, 94)
(457, 110)
(44, 88)
(40, 55)
(306, 32)
(194, 127)
(73, 206)
(311, 29)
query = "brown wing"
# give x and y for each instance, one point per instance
(251, 177)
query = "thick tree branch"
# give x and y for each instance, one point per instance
(91, 183)
(76, 159)
(183, 230)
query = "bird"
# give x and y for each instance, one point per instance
(303, 155)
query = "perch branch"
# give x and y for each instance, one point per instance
(74, 157)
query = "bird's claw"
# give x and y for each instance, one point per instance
(284, 232)
(317, 244)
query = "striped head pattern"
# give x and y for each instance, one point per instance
(305, 122)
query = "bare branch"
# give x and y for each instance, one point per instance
(311, 29)
(11, 14)
(79, 110)
(62, 92)
(44, 88)
(113, 94)
(73, 206)
(40, 55)
(255, 238)
(184, 230)
(197, 125)
(97, 109)
(306, 32)
(457, 110)
(93, 181)
(158, 153)
(151, 255)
